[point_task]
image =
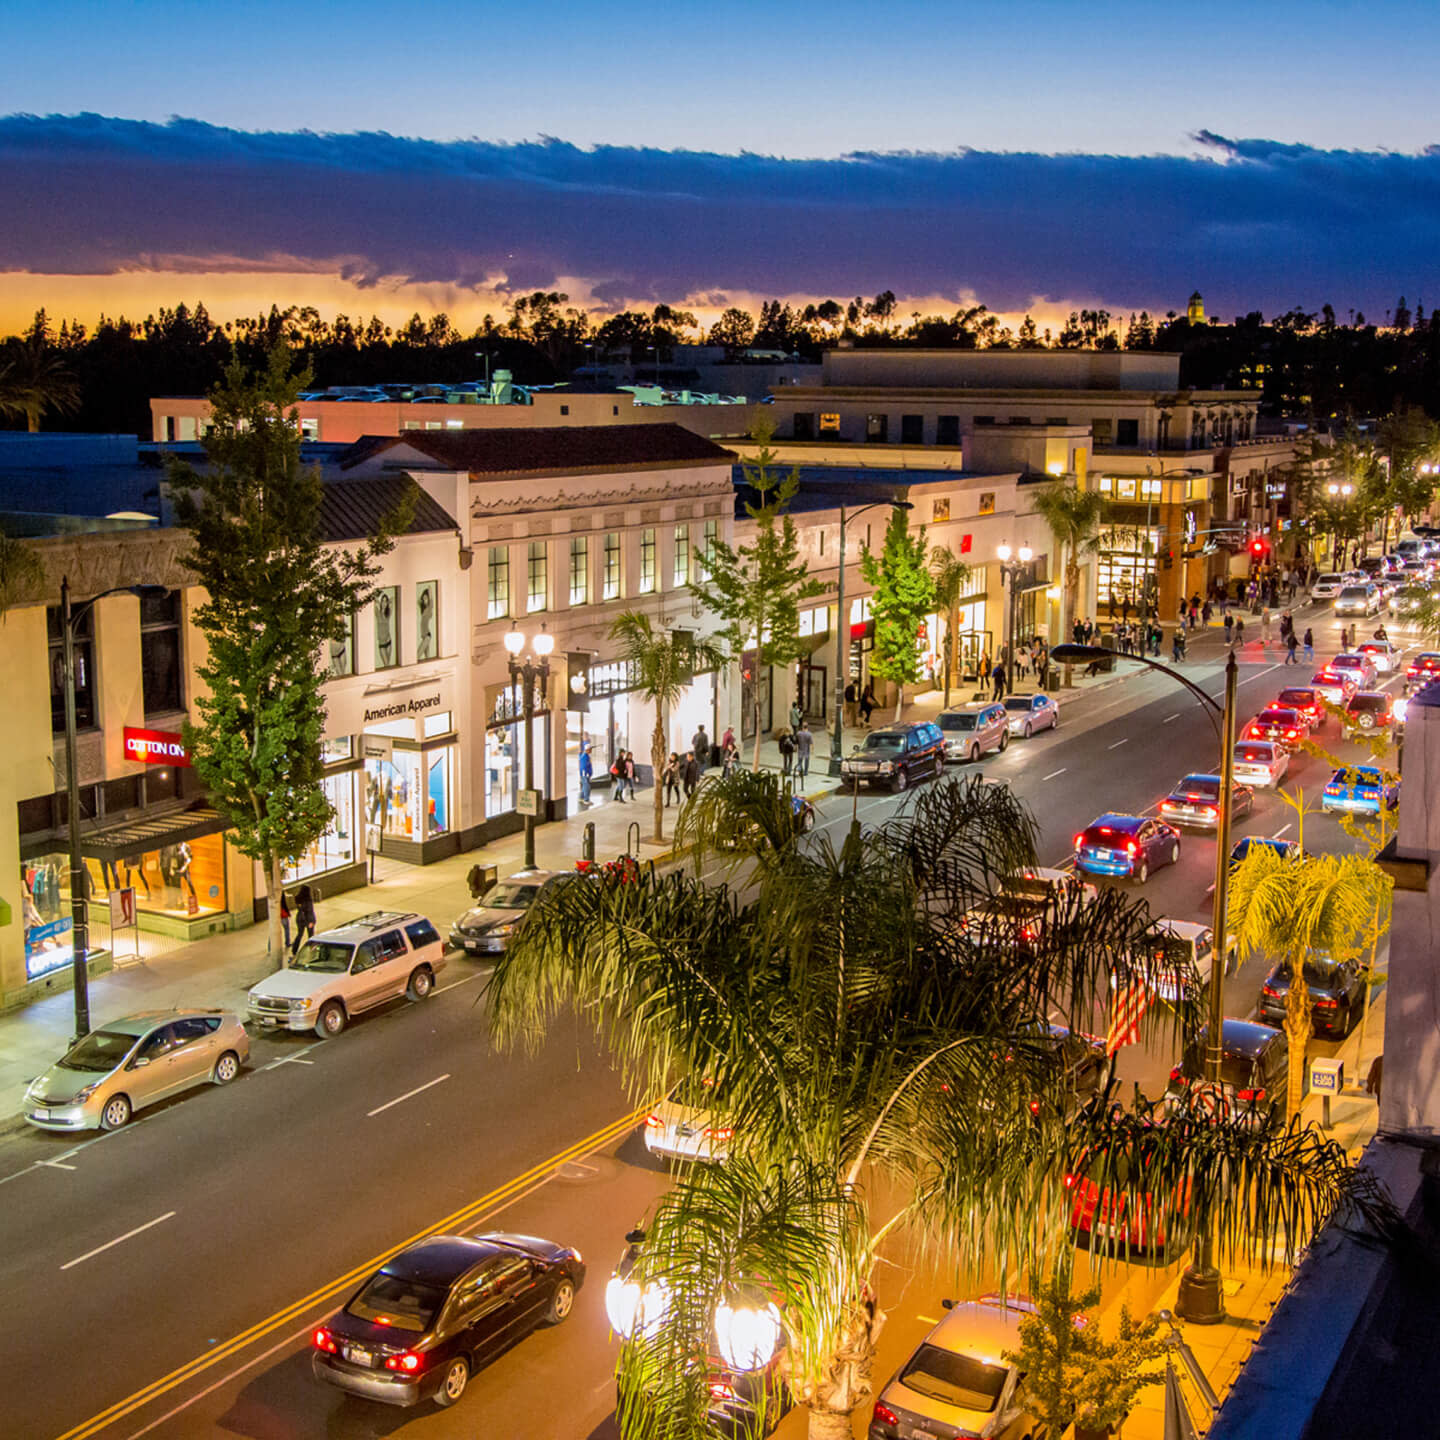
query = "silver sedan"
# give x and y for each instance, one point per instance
(130, 1063)
(1026, 714)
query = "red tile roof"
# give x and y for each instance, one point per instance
(547, 449)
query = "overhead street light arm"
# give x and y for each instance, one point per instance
(1083, 654)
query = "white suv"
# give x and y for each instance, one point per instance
(354, 968)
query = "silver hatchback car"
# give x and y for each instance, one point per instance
(973, 729)
(130, 1063)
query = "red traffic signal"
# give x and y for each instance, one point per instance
(1258, 547)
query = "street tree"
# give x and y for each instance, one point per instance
(756, 589)
(1411, 439)
(902, 595)
(886, 1074)
(734, 329)
(1313, 912)
(1073, 516)
(276, 595)
(663, 665)
(952, 580)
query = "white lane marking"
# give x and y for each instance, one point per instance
(1053, 774)
(408, 1095)
(287, 1060)
(1119, 743)
(56, 1165)
(119, 1239)
(1281, 831)
(1259, 675)
(1169, 718)
(455, 984)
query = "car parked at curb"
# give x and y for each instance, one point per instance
(1110, 1215)
(1195, 802)
(135, 1061)
(1029, 713)
(957, 1381)
(897, 756)
(344, 972)
(1176, 954)
(1254, 1074)
(971, 730)
(687, 1124)
(432, 1316)
(489, 925)
(1126, 845)
(1337, 995)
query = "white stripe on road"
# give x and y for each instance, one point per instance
(110, 1244)
(1053, 774)
(56, 1165)
(1119, 743)
(455, 984)
(1169, 718)
(1281, 831)
(408, 1095)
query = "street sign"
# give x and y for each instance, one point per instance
(528, 802)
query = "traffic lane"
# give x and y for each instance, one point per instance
(303, 1180)
(558, 1381)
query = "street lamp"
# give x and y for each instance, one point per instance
(1339, 494)
(1202, 1296)
(842, 630)
(1014, 567)
(70, 616)
(532, 673)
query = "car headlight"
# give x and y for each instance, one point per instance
(505, 928)
(303, 1004)
(85, 1093)
(886, 766)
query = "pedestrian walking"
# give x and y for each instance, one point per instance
(304, 918)
(1177, 646)
(997, 676)
(787, 752)
(1207, 613)
(804, 742)
(700, 744)
(1309, 645)
(1291, 645)
(1376, 1075)
(617, 777)
(284, 917)
(630, 773)
(1239, 630)
(1229, 626)
(587, 771)
(868, 702)
(672, 778)
(850, 701)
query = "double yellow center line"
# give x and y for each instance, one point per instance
(455, 1221)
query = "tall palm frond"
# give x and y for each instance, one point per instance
(1073, 516)
(34, 378)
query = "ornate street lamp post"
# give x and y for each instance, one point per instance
(1014, 567)
(531, 674)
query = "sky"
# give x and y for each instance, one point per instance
(1033, 154)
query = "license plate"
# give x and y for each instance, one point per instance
(267, 1020)
(358, 1355)
(916, 1433)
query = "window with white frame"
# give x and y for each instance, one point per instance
(647, 562)
(579, 569)
(681, 574)
(538, 578)
(707, 545)
(816, 621)
(498, 583)
(610, 578)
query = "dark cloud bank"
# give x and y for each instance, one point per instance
(1253, 224)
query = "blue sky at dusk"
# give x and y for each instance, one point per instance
(1017, 153)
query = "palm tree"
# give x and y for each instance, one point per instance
(882, 1051)
(1322, 904)
(952, 576)
(663, 664)
(33, 379)
(1074, 517)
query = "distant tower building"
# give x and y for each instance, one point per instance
(1195, 310)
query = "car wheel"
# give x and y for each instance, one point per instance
(1175, 853)
(331, 1020)
(116, 1113)
(975, 752)
(227, 1067)
(1027, 729)
(807, 822)
(452, 1387)
(900, 781)
(561, 1303)
(1141, 872)
(422, 982)
(1005, 739)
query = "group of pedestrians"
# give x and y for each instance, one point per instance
(861, 702)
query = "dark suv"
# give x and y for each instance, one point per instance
(1254, 1078)
(897, 756)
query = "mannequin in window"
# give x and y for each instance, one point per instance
(183, 857)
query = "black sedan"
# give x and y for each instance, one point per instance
(423, 1323)
(1337, 995)
(1196, 801)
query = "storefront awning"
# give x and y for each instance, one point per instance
(149, 832)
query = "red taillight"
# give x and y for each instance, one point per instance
(1132, 847)
(1079, 840)
(324, 1340)
(408, 1362)
(1250, 1097)
(1271, 990)
(1327, 1003)
(1210, 810)
(654, 1122)
(719, 1132)
(1034, 1107)
(883, 1415)
(1290, 734)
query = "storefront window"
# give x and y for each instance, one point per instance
(408, 794)
(45, 896)
(505, 763)
(338, 846)
(187, 878)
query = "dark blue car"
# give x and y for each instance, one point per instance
(1285, 849)
(1129, 845)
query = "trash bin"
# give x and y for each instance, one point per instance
(1108, 641)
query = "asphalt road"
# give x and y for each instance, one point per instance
(180, 1265)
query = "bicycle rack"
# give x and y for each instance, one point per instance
(632, 839)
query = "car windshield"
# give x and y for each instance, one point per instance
(326, 956)
(1328, 580)
(1358, 776)
(1018, 702)
(890, 744)
(99, 1051)
(1300, 698)
(1354, 592)
(1254, 842)
(957, 722)
(1347, 662)
(511, 897)
(1253, 754)
(959, 1380)
(394, 1301)
(1199, 787)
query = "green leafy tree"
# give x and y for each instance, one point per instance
(952, 578)
(756, 589)
(734, 329)
(276, 596)
(663, 664)
(1074, 517)
(1411, 439)
(886, 1072)
(903, 594)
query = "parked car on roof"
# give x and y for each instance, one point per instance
(973, 729)
(1029, 713)
(127, 1064)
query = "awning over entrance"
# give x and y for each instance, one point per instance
(149, 832)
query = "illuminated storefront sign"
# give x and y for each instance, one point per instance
(155, 747)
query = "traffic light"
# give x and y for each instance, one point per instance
(1258, 548)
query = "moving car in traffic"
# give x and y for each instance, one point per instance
(1285, 849)
(1261, 762)
(1195, 802)
(133, 1062)
(686, 1124)
(1126, 845)
(1337, 995)
(1286, 727)
(343, 972)
(1384, 655)
(488, 927)
(1333, 686)
(1368, 711)
(422, 1325)
(1360, 790)
(1178, 954)
(1360, 668)
(1359, 600)
(957, 1381)
(1424, 668)
(1306, 701)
